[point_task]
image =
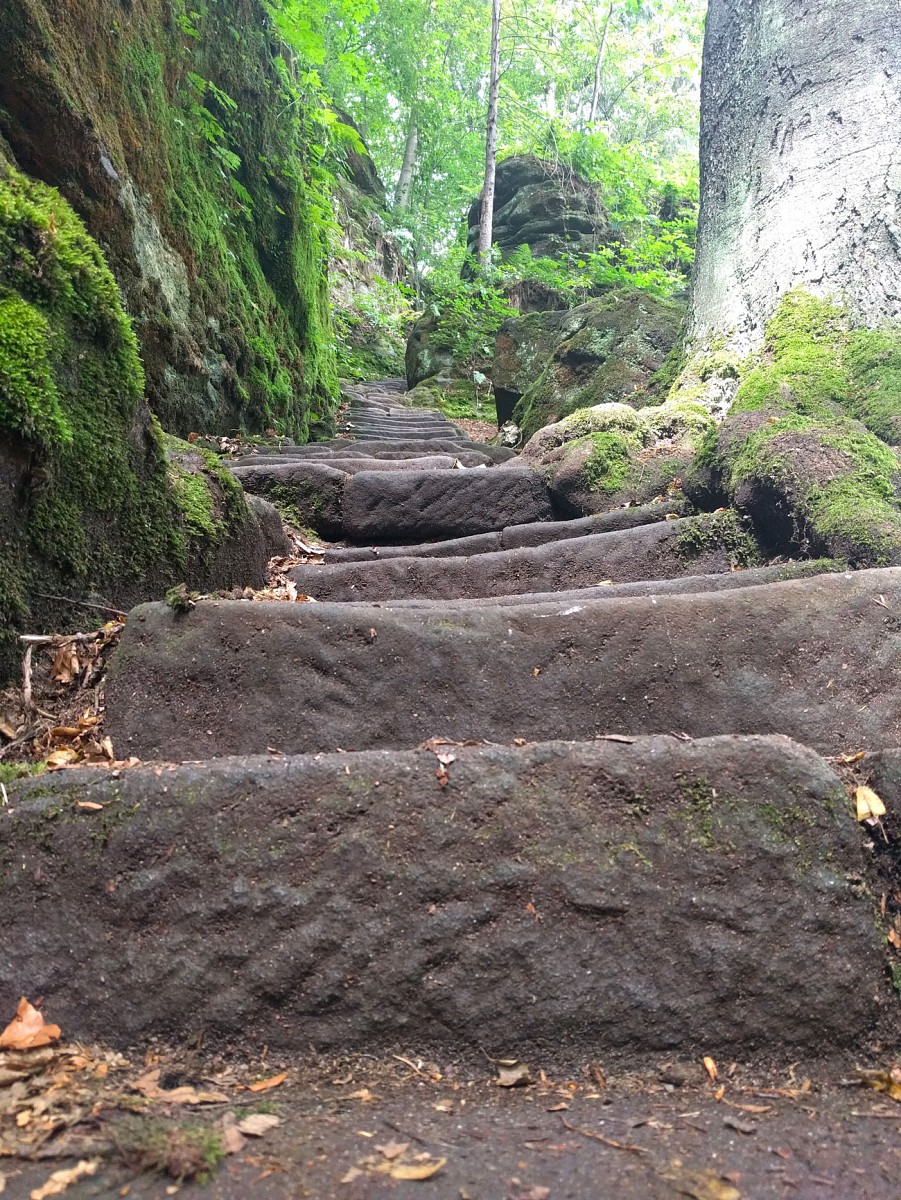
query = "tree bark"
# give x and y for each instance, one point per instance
(486, 215)
(800, 162)
(598, 63)
(408, 166)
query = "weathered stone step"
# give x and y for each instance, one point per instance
(394, 448)
(681, 586)
(816, 659)
(556, 900)
(664, 550)
(358, 461)
(532, 534)
(416, 505)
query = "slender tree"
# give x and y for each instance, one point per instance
(408, 166)
(486, 216)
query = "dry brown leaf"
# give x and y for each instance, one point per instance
(232, 1141)
(28, 1029)
(61, 758)
(90, 805)
(700, 1185)
(710, 1068)
(363, 1094)
(258, 1124)
(353, 1174)
(65, 665)
(869, 804)
(888, 1081)
(60, 1180)
(263, 1085)
(392, 1150)
(148, 1085)
(513, 1074)
(417, 1170)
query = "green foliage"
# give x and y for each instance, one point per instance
(29, 401)
(468, 312)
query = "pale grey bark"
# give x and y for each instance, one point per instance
(800, 162)
(486, 216)
(598, 63)
(408, 166)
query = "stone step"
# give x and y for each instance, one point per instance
(353, 461)
(531, 534)
(418, 505)
(314, 491)
(814, 658)
(681, 586)
(555, 900)
(393, 448)
(663, 550)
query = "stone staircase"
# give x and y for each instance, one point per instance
(511, 782)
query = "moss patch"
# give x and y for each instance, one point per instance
(796, 451)
(88, 504)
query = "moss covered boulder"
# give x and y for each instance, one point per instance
(619, 344)
(609, 455)
(805, 448)
(93, 499)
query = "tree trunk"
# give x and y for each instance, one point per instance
(408, 166)
(598, 63)
(800, 162)
(486, 215)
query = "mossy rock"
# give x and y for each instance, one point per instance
(180, 137)
(621, 344)
(802, 448)
(88, 503)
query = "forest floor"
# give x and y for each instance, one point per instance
(365, 1128)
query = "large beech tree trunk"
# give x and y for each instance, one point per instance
(800, 162)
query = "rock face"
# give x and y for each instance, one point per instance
(93, 498)
(610, 350)
(351, 900)
(165, 135)
(544, 206)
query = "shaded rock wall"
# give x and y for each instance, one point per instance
(176, 136)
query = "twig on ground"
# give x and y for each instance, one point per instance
(27, 697)
(116, 612)
(599, 1137)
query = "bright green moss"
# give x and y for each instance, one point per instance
(719, 531)
(609, 466)
(811, 382)
(29, 403)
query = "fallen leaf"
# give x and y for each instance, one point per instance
(710, 1068)
(700, 1185)
(258, 1124)
(148, 1085)
(60, 1180)
(90, 805)
(739, 1126)
(888, 1081)
(352, 1174)
(417, 1170)
(61, 758)
(363, 1094)
(232, 1141)
(392, 1150)
(869, 805)
(28, 1030)
(513, 1074)
(65, 665)
(263, 1085)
